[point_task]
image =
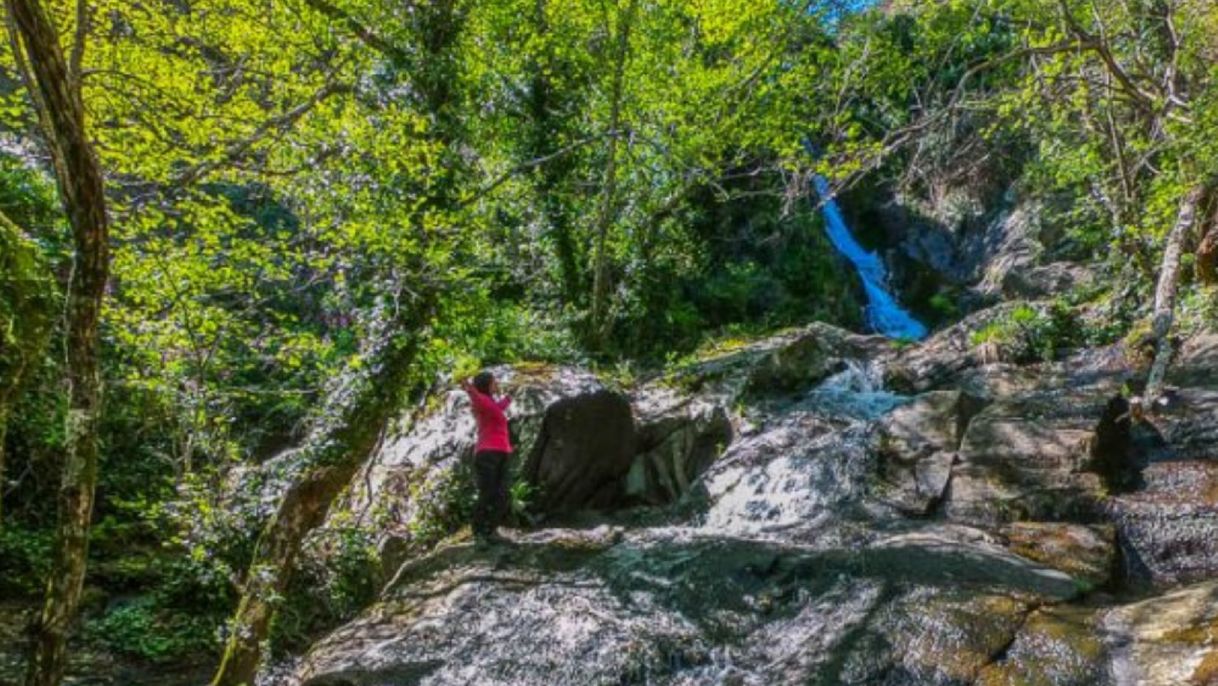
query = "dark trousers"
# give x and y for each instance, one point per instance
(490, 476)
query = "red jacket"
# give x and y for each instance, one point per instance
(492, 422)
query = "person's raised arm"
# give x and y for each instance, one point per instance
(504, 402)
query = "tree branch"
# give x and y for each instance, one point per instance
(362, 32)
(530, 164)
(78, 41)
(235, 150)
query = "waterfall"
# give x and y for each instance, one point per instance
(884, 314)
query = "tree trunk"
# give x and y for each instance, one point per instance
(598, 323)
(343, 435)
(543, 144)
(82, 190)
(1165, 293)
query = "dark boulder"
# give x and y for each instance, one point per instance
(582, 453)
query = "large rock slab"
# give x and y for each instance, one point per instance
(786, 363)
(1167, 640)
(918, 444)
(1187, 423)
(414, 474)
(1056, 646)
(1197, 365)
(670, 606)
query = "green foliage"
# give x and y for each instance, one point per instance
(25, 559)
(142, 628)
(275, 175)
(1033, 333)
(339, 577)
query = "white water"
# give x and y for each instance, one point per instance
(802, 465)
(884, 314)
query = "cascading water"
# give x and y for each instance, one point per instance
(884, 314)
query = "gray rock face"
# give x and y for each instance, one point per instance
(1027, 458)
(821, 528)
(677, 438)
(788, 363)
(918, 446)
(1166, 640)
(410, 475)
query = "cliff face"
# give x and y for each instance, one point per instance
(782, 514)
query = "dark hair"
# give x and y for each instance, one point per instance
(482, 382)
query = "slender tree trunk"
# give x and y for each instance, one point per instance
(82, 189)
(599, 324)
(343, 435)
(1165, 293)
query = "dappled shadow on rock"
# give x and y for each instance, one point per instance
(590, 607)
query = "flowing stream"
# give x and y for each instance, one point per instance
(884, 314)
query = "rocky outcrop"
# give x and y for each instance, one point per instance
(959, 524)
(1169, 527)
(787, 363)
(918, 447)
(1168, 640)
(413, 475)
(1028, 458)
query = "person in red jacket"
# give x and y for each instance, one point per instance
(491, 454)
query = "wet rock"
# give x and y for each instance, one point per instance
(781, 364)
(1167, 640)
(1188, 423)
(1168, 528)
(791, 475)
(1086, 553)
(677, 438)
(583, 452)
(952, 528)
(1056, 646)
